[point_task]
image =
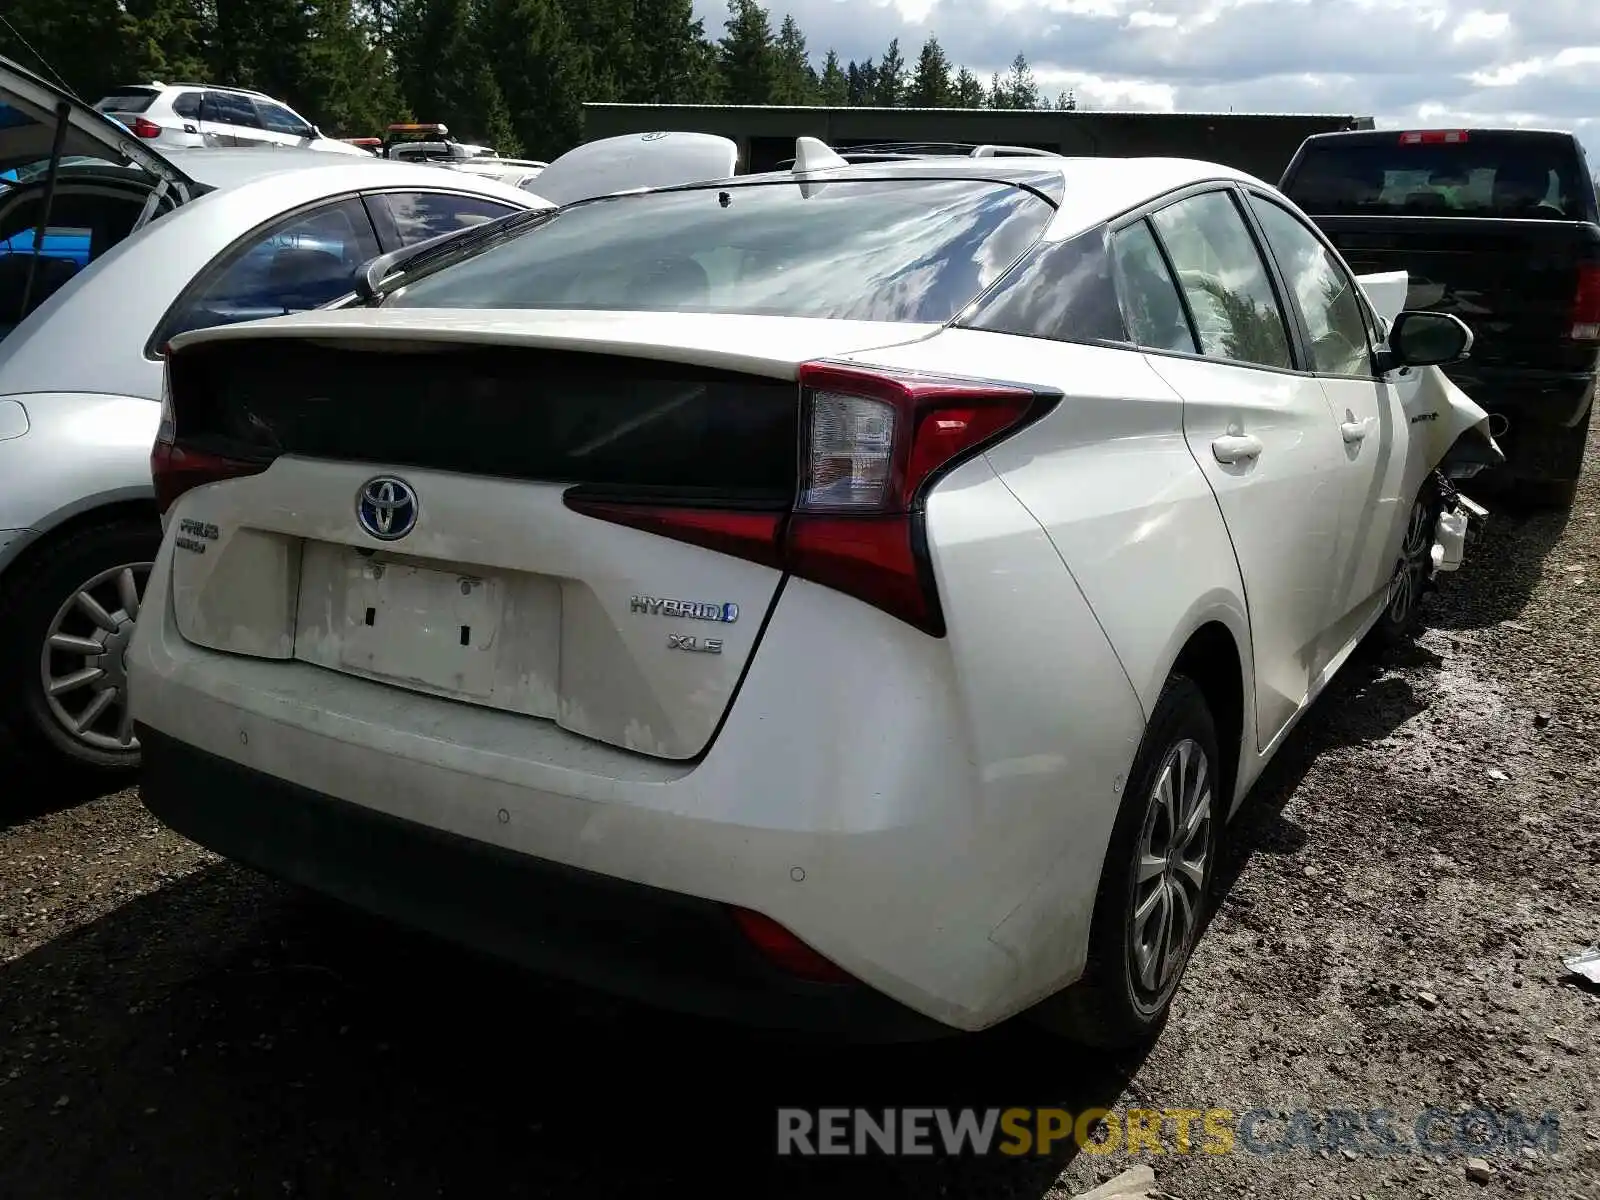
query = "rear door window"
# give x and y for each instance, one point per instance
(418, 216)
(187, 104)
(1225, 281)
(1526, 176)
(1151, 303)
(226, 108)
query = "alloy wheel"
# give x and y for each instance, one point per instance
(1174, 853)
(1411, 571)
(83, 662)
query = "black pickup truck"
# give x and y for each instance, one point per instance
(1499, 227)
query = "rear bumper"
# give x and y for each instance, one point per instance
(660, 947)
(1537, 416)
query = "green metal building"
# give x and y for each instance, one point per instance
(1260, 143)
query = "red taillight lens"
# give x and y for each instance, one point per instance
(174, 469)
(872, 442)
(785, 951)
(1586, 304)
(145, 128)
(1432, 137)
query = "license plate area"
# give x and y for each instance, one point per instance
(396, 620)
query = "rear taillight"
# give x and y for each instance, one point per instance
(872, 443)
(1432, 137)
(785, 951)
(1586, 304)
(175, 469)
(144, 127)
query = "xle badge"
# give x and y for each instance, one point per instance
(686, 641)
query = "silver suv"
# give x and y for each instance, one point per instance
(198, 114)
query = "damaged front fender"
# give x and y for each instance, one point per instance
(1457, 438)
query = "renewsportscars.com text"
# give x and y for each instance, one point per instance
(1369, 1132)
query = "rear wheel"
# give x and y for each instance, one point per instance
(67, 614)
(1154, 888)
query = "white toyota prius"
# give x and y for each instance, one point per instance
(853, 597)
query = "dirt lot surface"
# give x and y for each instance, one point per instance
(1397, 897)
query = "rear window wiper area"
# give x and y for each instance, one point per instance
(390, 271)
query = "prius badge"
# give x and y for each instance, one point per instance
(386, 507)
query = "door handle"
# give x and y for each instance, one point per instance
(1235, 448)
(1356, 431)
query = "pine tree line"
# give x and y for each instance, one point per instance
(513, 73)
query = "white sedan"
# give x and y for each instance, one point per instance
(850, 596)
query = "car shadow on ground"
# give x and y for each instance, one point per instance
(229, 1033)
(29, 790)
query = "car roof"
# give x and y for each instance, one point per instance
(230, 167)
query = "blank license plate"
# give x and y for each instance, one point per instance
(435, 628)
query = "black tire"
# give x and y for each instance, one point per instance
(1402, 610)
(32, 592)
(1108, 1008)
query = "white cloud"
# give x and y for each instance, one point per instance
(1405, 62)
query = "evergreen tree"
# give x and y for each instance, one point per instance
(748, 55)
(1067, 102)
(931, 86)
(529, 54)
(674, 64)
(1018, 89)
(797, 79)
(833, 88)
(968, 90)
(890, 88)
(861, 81)
(603, 54)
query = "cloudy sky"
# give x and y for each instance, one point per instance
(1407, 62)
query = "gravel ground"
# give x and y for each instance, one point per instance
(1396, 899)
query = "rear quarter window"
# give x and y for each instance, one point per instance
(1497, 176)
(916, 250)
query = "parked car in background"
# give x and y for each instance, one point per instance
(855, 596)
(431, 142)
(198, 114)
(261, 233)
(1499, 227)
(264, 232)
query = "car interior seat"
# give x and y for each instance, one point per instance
(305, 278)
(51, 274)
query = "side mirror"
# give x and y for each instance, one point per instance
(1428, 339)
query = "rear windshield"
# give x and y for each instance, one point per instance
(134, 100)
(1530, 178)
(868, 250)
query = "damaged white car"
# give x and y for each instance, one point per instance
(853, 597)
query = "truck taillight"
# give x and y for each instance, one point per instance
(1432, 137)
(1586, 304)
(175, 469)
(872, 443)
